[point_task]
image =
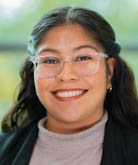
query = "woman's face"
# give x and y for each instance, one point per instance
(66, 115)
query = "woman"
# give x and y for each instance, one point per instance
(77, 102)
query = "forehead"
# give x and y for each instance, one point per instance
(66, 37)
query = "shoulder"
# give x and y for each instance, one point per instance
(129, 134)
(131, 142)
(13, 135)
(14, 139)
(126, 137)
(115, 126)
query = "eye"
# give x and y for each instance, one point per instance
(49, 60)
(84, 58)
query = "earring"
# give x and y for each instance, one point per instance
(109, 89)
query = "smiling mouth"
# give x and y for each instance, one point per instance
(69, 95)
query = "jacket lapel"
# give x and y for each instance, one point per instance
(24, 154)
(114, 149)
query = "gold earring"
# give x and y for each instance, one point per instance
(109, 89)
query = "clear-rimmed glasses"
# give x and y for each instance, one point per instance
(50, 65)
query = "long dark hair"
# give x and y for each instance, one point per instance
(121, 102)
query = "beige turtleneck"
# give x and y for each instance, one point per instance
(69, 149)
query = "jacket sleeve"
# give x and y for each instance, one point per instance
(10, 142)
(15, 144)
(132, 146)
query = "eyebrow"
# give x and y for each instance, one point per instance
(46, 50)
(75, 49)
(86, 46)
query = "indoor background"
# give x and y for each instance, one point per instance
(17, 18)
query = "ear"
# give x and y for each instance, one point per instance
(111, 66)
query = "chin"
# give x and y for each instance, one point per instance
(71, 118)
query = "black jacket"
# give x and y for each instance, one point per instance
(120, 145)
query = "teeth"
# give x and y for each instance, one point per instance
(69, 94)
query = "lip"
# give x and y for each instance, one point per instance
(68, 89)
(69, 98)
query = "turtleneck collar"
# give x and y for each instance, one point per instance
(87, 139)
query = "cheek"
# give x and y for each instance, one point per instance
(41, 86)
(43, 90)
(98, 84)
(38, 84)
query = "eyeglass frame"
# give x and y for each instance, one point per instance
(35, 59)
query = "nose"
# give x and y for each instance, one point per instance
(67, 73)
